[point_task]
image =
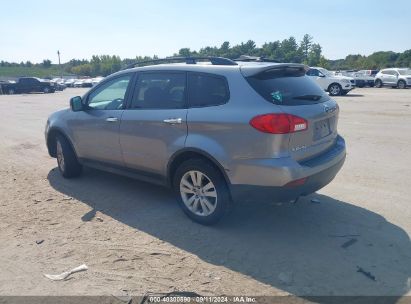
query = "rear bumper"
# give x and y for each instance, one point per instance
(318, 172)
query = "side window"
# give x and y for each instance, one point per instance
(205, 90)
(313, 72)
(160, 90)
(110, 96)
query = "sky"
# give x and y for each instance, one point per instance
(35, 30)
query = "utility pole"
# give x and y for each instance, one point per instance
(61, 72)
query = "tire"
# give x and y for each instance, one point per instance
(67, 161)
(192, 195)
(46, 90)
(335, 89)
(401, 84)
(378, 83)
(11, 92)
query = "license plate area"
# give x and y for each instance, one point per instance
(322, 129)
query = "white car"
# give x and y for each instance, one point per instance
(396, 78)
(78, 83)
(96, 80)
(335, 85)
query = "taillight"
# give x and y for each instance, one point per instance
(279, 123)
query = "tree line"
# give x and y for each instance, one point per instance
(305, 51)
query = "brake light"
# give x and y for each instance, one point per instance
(279, 123)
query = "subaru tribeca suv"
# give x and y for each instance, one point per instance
(216, 132)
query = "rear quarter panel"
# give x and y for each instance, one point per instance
(224, 131)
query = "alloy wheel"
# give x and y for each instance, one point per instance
(60, 157)
(198, 193)
(335, 89)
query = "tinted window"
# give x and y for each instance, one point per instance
(390, 72)
(313, 72)
(160, 91)
(109, 96)
(287, 86)
(207, 90)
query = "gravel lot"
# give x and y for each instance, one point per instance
(133, 235)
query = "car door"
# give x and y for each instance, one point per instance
(24, 85)
(153, 127)
(96, 129)
(390, 77)
(36, 85)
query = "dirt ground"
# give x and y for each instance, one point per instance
(133, 236)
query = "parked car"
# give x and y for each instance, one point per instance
(96, 80)
(78, 83)
(396, 78)
(70, 82)
(371, 73)
(29, 85)
(362, 79)
(333, 84)
(87, 83)
(216, 133)
(59, 84)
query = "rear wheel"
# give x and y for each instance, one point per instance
(401, 84)
(378, 83)
(11, 91)
(202, 191)
(66, 158)
(334, 89)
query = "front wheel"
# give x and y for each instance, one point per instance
(46, 90)
(11, 92)
(202, 191)
(401, 84)
(334, 89)
(66, 158)
(378, 83)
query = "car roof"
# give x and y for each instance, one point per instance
(246, 68)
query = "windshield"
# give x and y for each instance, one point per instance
(325, 72)
(405, 72)
(287, 89)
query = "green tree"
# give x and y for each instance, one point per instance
(314, 55)
(46, 63)
(305, 47)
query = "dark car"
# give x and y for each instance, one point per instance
(29, 85)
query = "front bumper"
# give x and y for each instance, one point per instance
(318, 172)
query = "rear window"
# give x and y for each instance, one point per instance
(206, 90)
(288, 87)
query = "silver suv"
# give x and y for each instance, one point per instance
(396, 78)
(216, 132)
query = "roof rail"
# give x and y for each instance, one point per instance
(247, 58)
(188, 60)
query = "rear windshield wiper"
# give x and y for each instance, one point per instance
(308, 97)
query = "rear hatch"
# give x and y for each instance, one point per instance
(287, 86)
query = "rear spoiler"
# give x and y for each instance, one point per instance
(254, 69)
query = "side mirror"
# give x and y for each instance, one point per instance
(76, 104)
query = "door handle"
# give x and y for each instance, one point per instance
(112, 119)
(173, 121)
